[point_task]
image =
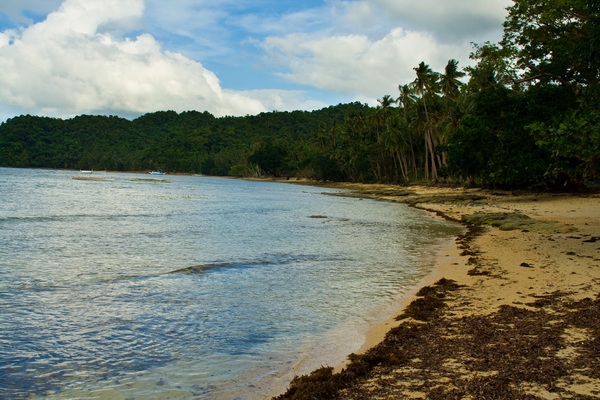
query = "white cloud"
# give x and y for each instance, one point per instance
(285, 100)
(378, 43)
(447, 20)
(356, 64)
(73, 63)
(84, 59)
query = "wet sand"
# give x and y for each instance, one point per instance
(524, 321)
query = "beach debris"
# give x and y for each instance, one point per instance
(500, 356)
(319, 384)
(430, 300)
(477, 271)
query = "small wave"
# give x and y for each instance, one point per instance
(35, 219)
(273, 259)
(74, 217)
(202, 268)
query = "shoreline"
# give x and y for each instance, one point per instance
(367, 335)
(447, 255)
(548, 252)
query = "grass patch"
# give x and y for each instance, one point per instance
(373, 192)
(516, 221)
(446, 199)
(389, 191)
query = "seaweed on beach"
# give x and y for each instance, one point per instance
(431, 299)
(515, 352)
(439, 289)
(319, 384)
(477, 271)
(464, 241)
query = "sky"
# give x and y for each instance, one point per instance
(62, 58)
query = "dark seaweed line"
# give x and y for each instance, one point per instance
(492, 356)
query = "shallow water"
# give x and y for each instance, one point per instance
(199, 288)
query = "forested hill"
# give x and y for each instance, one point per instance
(527, 112)
(190, 142)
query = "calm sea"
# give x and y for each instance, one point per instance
(202, 288)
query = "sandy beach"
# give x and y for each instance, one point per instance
(517, 314)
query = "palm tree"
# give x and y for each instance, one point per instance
(450, 85)
(425, 85)
(407, 101)
(407, 97)
(386, 102)
(449, 80)
(376, 120)
(390, 147)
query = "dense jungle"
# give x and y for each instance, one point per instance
(527, 112)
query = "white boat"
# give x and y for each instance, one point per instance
(156, 173)
(85, 171)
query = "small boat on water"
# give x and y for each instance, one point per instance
(157, 173)
(150, 180)
(91, 178)
(85, 171)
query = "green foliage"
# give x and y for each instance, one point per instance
(528, 114)
(555, 40)
(271, 157)
(574, 143)
(545, 125)
(188, 142)
(492, 144)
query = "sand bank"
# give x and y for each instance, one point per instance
(525, 321)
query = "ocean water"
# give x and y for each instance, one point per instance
(202, 288)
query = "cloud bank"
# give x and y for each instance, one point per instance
(74, 62)
(376, 43)
(355, 64)
(129, 57)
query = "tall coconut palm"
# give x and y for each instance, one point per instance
(386, 103)
(450, 87)
(406, 102)
(425, 85)
(376, 121)
(392, 147)
(449, 80)
(407, 97)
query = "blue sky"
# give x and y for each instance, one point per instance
(63, 58)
